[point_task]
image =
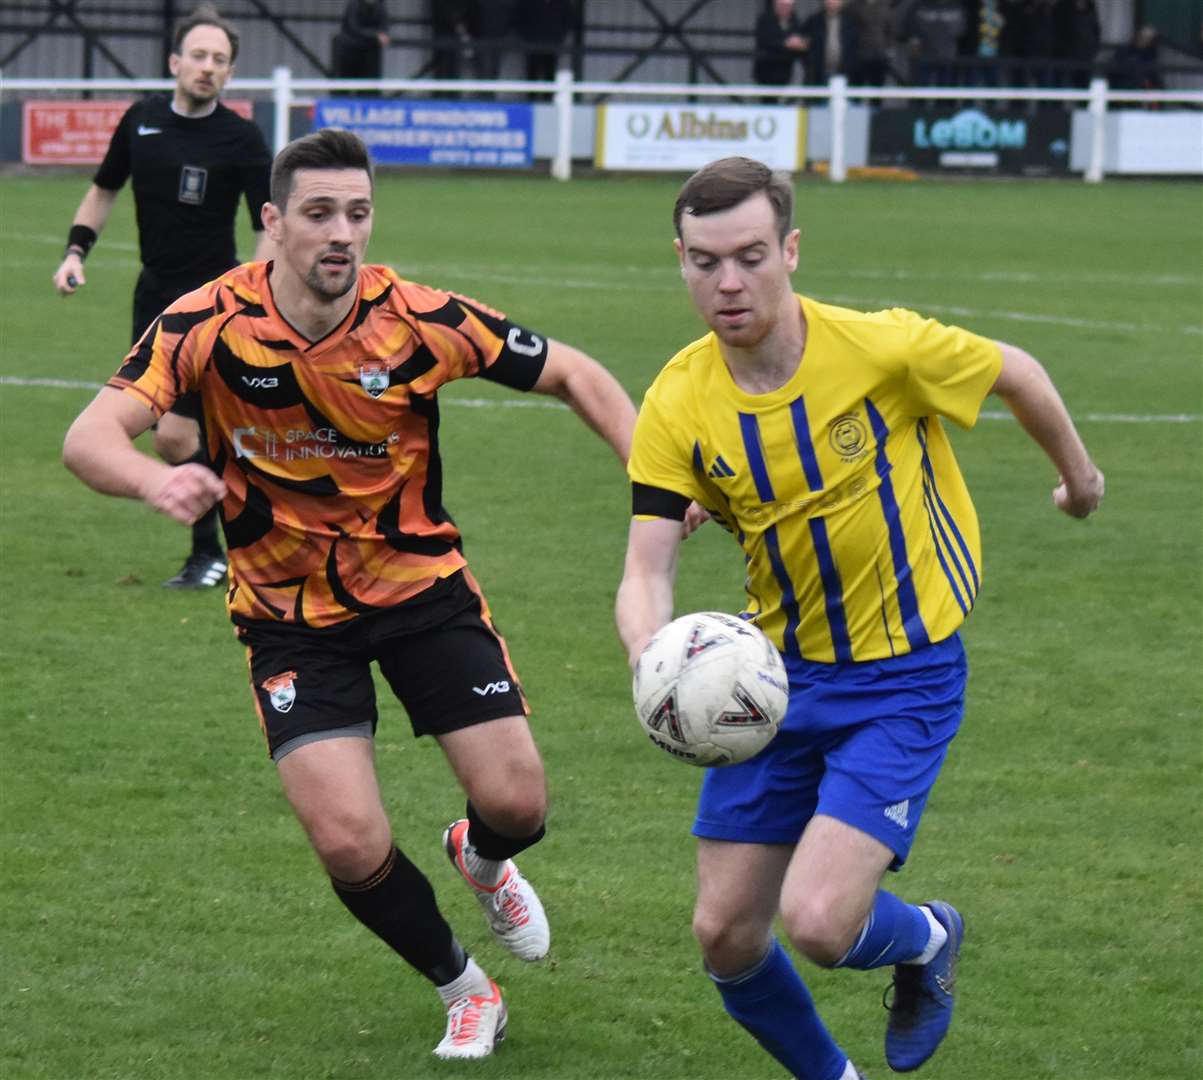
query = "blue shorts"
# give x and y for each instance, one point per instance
(861, 742)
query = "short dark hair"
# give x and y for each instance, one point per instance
(726, 183)
(328, 148)
(205, 16)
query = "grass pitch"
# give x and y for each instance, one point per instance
(160, 914)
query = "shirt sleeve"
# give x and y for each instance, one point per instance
(115, 168)
(660, 465)
(513, 355)
(463, 339)
(163, 364)
(949, 370)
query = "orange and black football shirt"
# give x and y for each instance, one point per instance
(329, 449)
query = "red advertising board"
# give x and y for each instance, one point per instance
(78, 132)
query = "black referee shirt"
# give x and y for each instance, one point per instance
(188, 174)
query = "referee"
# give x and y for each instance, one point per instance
(190, 159)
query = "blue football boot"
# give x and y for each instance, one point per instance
(923, 997)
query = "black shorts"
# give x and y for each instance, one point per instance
(151, 296)
(439, 652)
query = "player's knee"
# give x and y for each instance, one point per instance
(728, 946)
(512, 799)
(351, 846)
(817, 930)
(515, 811)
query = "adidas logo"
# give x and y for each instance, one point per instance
(897, 813)
(720, 470)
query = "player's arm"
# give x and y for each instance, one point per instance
(645, 595)
(89, 222)
(256, 184)
(99, 449)
(591, 392)
(1029, 393)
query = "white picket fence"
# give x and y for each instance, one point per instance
(288, 92)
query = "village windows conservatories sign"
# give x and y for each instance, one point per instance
(685, 137)
(462, 134)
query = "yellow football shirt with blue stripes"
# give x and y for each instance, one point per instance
(859, 535)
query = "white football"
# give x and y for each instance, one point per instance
(710, 689)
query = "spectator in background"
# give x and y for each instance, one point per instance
(875, 29)
(361, 40)
(983, 40)
(779, 44)
(1134, 66)
(543, 26)
(833, 43)
(1036, 42)
(492, 23)
(932, 29)
(452, 37)
(1080, 36)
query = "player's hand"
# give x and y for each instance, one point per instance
(696, 516)
(186, 492)
(1082, 498)
(70, 275)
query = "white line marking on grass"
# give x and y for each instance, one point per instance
(1114, 418)
(869, 302)
(57, 384)
(1019, 316)
(1020, 277)
(668, 282)
(57, 241)
(1015, 277)
(541, 403)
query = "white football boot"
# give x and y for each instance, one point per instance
(511, 907)
(475, 1025)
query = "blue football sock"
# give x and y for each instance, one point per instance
(894, 933)
(773, 1005)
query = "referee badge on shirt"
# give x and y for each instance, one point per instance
(374, 378)
(193, 180)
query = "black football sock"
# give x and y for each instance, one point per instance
(397, 904)
(205, 540)
(492, 845)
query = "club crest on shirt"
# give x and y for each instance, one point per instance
(281, 691)
(374, 378)
(847, 436)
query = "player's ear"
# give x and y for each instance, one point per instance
(173, 64)
(679, 248)
(790, 248)
(270, 216)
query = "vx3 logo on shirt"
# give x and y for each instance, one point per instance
(502, 687)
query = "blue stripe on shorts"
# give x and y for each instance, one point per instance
(861, 742)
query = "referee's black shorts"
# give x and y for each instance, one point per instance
(439, 652)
